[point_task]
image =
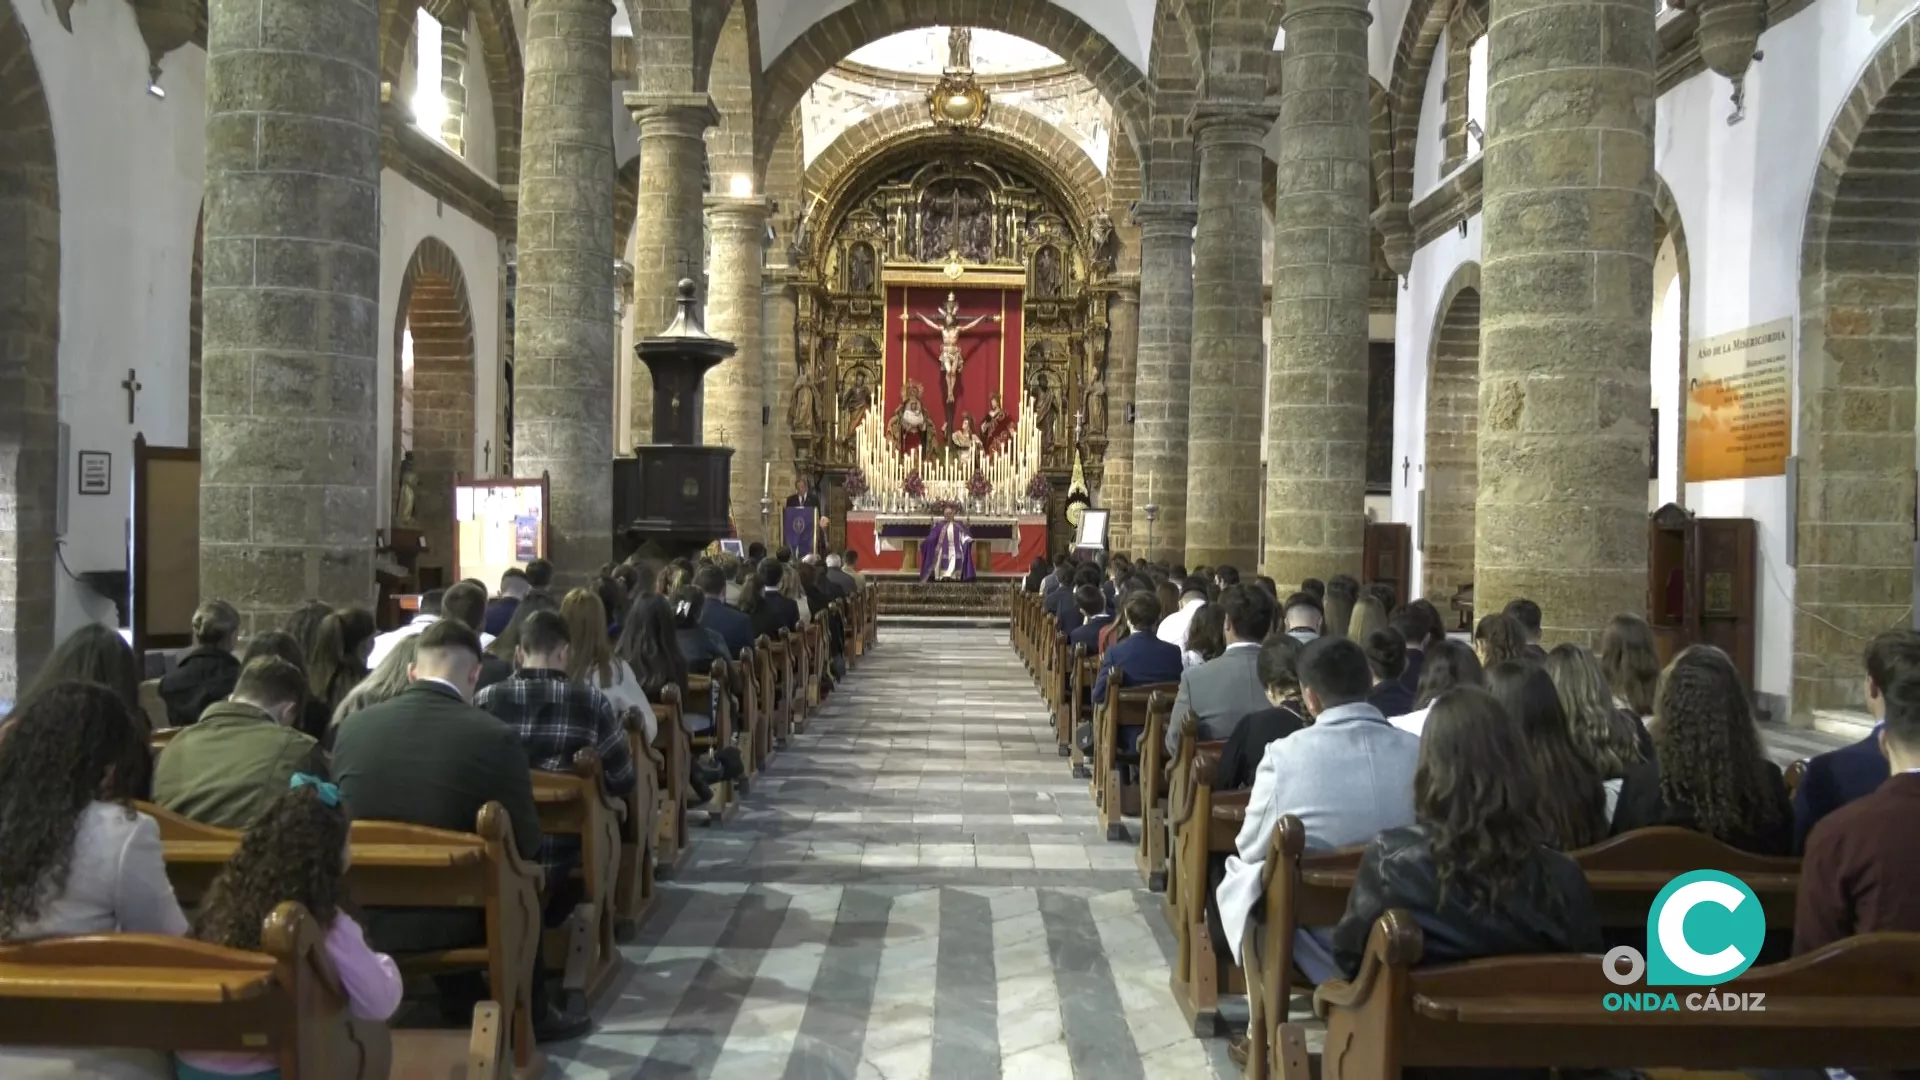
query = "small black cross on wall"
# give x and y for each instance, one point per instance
(690, 267)
(1406, 471)
(132, 387)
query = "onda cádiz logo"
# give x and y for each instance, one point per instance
(1704, 929)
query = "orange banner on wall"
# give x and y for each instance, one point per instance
(1740, 404)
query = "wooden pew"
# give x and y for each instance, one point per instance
(1077, 705)
(767, 691)
(1156, 779)
(578, 805)
(162, 738)
(410, 866)
(1206, 823)
(702, 689)
(147, 991)
(1855, 1002)
(672, 756)
(745, 679)
(1126, 709)
(814, 672)
(1625, 874)
(636, 890)
(780, 654)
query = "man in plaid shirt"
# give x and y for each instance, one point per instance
(557, 717)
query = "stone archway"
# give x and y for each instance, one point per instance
(195, 326)
(1453, 437)
(435, 309)
(791, 74)
(1859, 264)
(1669, 229)
(29, 339)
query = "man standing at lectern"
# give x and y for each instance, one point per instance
(947, 552)
(805, 496)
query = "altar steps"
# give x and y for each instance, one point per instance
(905, 597)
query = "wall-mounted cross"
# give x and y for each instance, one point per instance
(486, 458)
(690, 267)
(1406, 471)
(132, 387)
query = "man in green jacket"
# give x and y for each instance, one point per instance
(228, 768)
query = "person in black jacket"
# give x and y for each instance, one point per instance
(207, 671)
(767, 611)
(1471, 868)
(1710, 772)
(731, 624)
(1387, 659)
(428, 757)
(1279, 674)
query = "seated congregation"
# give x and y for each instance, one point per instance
(1336, 794)
(318, 829)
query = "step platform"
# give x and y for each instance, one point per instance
(905, 595)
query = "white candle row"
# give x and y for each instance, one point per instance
(1008, 471)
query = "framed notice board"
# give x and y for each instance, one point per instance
(498, 525)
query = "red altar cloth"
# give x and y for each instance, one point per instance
(993, 350)
(889, 555)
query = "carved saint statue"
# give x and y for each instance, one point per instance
(860, 270)
(952, 361)
(1046, 412)
(960, 48)
(1103, 245)
(910, 425)
(804, 412)
(855, 402)
(407, 495)
(1046, 272)
(1096, 403)
(964, 440)
(996, 427)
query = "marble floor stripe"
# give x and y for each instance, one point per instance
(835, 1023)
(900, 1027)
(1098, 1041)
(966, 1027)
(704, 1018)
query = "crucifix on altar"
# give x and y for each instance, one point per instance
(952, 361)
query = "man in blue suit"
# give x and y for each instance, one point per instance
(1093, 608)
(732, 624)
(1143, 657)
(1838, 777)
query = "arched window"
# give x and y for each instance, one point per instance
(1477, 95)
(1466, 85)
(429, 99)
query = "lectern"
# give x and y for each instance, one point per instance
(671, 497)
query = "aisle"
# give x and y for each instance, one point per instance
(916, 889)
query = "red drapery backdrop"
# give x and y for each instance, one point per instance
(993, 351)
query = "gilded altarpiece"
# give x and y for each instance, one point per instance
(953, 298)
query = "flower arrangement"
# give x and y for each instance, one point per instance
(914, 487)
(1038, 489)
(856, 483)
(979, 487)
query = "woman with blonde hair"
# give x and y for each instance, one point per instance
(1339, 614)
(791, 588)
(1368, 616)
(593, 662)
(384, 683)
(1606, 735)
(1631, 659)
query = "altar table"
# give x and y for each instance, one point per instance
(890, 543)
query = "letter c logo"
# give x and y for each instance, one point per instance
(1725, 921)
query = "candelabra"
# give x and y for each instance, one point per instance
(1153, 515)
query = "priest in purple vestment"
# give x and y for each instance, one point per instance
(947, 552)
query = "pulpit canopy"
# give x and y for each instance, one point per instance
(679, 358)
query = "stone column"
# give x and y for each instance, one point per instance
(736, 389)
(1163, 376)
(779, 350)
(291, 296)
(668, 240)
(563, 329)
(1229, 370)
(1123, 347)
(1322, 272)
(453, 86)
(1567, 272)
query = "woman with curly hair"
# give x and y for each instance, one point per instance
(1472, 869)
(1572, 805)
(1710, 772)
(297, 852)
(75, 857)
(1613, 739)
(1631, 661)
(94, 654)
